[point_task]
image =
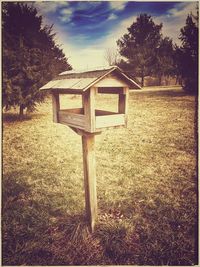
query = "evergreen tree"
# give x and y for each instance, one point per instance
(140, 44)
(164, 65)
(30, 56)
(187, 54)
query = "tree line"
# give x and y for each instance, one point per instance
(31, 56)
(145, 52)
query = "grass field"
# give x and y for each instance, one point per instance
(146, 186)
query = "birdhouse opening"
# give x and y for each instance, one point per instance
(107, 102)
(70, 101)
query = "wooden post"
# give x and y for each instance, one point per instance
(123, 103)
(88, 143)
(56, 106)
(88, 101)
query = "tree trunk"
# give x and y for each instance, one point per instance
(178, 80)
(160, 79)
(142, 77)
(21, 112)
(21, 107)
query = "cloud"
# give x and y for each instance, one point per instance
(50, 7)
(64, 19)
(65, 15)
(118, 5)
(66, 11)
(85, 5)
(112, 16)
(182, 9)
(86, 14)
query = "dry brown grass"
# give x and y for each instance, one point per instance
(146, 185)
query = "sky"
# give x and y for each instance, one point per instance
(87, 29)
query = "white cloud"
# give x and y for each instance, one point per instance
(85, 5)
(65, 14)
(112, 16)
(66, 11)
(186, 9)
(64, 18)
(118, 5)
(49, 7)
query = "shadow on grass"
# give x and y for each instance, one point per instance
(35, 234)
(31, 235)
(150, 233)
(13, 117)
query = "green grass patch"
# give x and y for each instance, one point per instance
(146, 186)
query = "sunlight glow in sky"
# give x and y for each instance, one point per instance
(85, 29)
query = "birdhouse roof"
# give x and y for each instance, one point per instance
(80, 81)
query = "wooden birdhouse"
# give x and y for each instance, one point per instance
(88, 121)
(88, 84)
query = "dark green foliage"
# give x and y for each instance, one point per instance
(139, 46)
(187, 54)
(164, 65)
(30, 56)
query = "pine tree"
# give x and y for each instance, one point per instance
(140, 44)
(164, 64)
(187, 54)
(30, 56)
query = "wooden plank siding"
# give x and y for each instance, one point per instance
(72, 119)
(111, 81)
(72, 110)
(102, 119)
(110, 90)
(99, 112)
(110, 120)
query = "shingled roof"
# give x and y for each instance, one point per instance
(83, 80)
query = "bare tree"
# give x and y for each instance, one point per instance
(111, 56)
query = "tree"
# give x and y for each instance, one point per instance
(187, 54)
(30, 56)
(177, 64)
(164, 65)
(111, 56)
(140, 44)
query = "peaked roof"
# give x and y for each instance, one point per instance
(83, 80)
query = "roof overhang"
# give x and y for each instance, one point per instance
(78, 82)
